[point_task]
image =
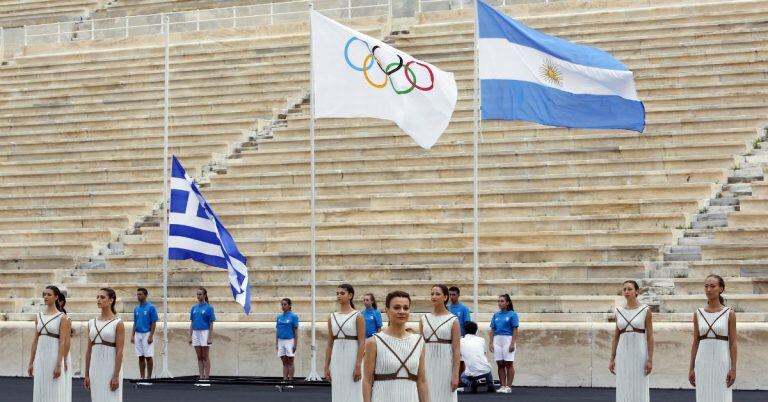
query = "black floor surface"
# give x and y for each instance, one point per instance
(20, 390)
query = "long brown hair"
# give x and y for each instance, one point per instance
(112, 295)
(349, 289)
(61, 298)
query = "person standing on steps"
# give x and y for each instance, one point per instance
(713, 353)
(344, 350)
(632, 347)
(144, 323)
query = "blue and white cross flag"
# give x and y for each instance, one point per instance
(528, 75)
(196, 233)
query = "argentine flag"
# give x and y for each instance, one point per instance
(527, 75)
(196, 233)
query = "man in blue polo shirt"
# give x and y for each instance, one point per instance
(144, 323)
(459, 310)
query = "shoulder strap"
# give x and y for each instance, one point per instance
(45, 324)
(434, 330)
(341, 326)
(403, 362)
(629, 321)
(710, 328)
(98, 330)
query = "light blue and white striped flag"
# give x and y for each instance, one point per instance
(528, 75)
(196, 233)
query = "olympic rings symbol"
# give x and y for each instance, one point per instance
(389, 70)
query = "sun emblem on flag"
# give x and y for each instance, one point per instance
(551, 73)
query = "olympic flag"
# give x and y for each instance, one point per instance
(355, 75)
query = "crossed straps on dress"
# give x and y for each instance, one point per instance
(710, 329)
(341, 328)
(629, 323)
(98, 334)
(403, 364)
(45, 326)
(428, 339)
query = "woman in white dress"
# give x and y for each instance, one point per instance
(713, 354)
(49, 362)
(104, 357)
(442, 344)
(394, 358)
(345, 346)
(632, 348)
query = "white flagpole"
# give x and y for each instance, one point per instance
(313, 374)
(166, 102)
(475, 189)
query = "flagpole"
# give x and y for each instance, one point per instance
(313, 373)
(475, 190)
(166, 373)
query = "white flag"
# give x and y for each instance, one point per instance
(356, 75)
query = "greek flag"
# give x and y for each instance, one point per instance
(196, 233)
(527, 75)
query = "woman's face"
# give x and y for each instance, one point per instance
(200, 296)
(48, 297)
(285, 306)
(503, 305)
(436, 296)
(399, 310)
(367, 302)
(712, 288)
(342, 296)
(103, 300)
(629, 291)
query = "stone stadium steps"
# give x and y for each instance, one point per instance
(237, 211)
(741, 303)
(145, 270)
(464, 195)
(505, 152)
(65, 222)
(292, 225)
(453, 164)
(63, 210)
(119, 8)
(621, 18)
(153, 139)
(288, 138)
(16, 13)
(387, 238)
(51, 261)
(360, 182)
(528, 254)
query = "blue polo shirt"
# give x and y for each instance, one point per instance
(144, 315)
(504, 322)
(202, 316)
(462, 313)
(286, 322)
(372, 321)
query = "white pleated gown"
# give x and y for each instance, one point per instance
(103, 362)
(438, 357)
(343, 359)
(399, 390)
(713, 358)
(46, 388)
(631, 353)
